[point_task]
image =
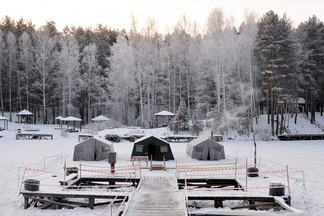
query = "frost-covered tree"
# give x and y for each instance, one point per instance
(91, 76)
(2, 51)
(45, 59)
(121, 78)
(69, 68)
(311, 37)
(26, 60)
(11, 65)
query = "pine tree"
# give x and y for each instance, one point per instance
(310, 34)
(181, 120)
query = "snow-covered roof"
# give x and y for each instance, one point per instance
(148, 136)
(301, 100)
(71, 118)
(3, 118)
(24, 112)
(59, 118)
(164, 113)
(100, 118)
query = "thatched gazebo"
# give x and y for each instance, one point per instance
(25, 115)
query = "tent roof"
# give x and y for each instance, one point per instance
(24, 112)
(148, 136)
(71, 118)
(164, 113)
(99, 138)
(59, 118)
(3, 118)
(201, 140)
(100, 118)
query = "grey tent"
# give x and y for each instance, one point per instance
(93, 149)
(152, 146)
(205, 149)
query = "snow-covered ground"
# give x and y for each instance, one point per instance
(304, 156)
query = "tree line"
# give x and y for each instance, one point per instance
(226, 73)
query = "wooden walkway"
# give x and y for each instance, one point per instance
(157, 196)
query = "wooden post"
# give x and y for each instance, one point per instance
(164, 162)
(64, 172)
(235, 167)
(22, 180)
(80, 170)
(26, 204)
(91, 203)
(218, 203)
(112, 168)
(289, 197)
(246, 174)
(304, 182)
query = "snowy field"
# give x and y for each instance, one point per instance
(304, 156)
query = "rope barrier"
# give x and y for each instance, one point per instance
(213, 168)
(233, 188)
(189, 165)
(219, 174)
(88, 165)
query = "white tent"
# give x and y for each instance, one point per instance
(100, 118)
(205, 149)
(5, 122)
(93, 149)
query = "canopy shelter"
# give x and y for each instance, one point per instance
(93, 149)
(205, 149)
(25, 116)
(152, 146)
(100, 118)
(73, 120)
(163, 118)
(5, 123)
(59, 119)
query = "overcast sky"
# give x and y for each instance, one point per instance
(117, 13)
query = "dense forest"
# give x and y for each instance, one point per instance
(225, 73)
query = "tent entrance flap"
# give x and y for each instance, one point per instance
(151, 151)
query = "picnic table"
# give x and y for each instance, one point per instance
(82, 137)
(29, 136)
(178, 138)
(112, 137)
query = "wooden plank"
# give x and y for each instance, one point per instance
(49, 201)
(253, 206)
(65, 195)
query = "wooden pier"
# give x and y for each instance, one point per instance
(301, 137)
